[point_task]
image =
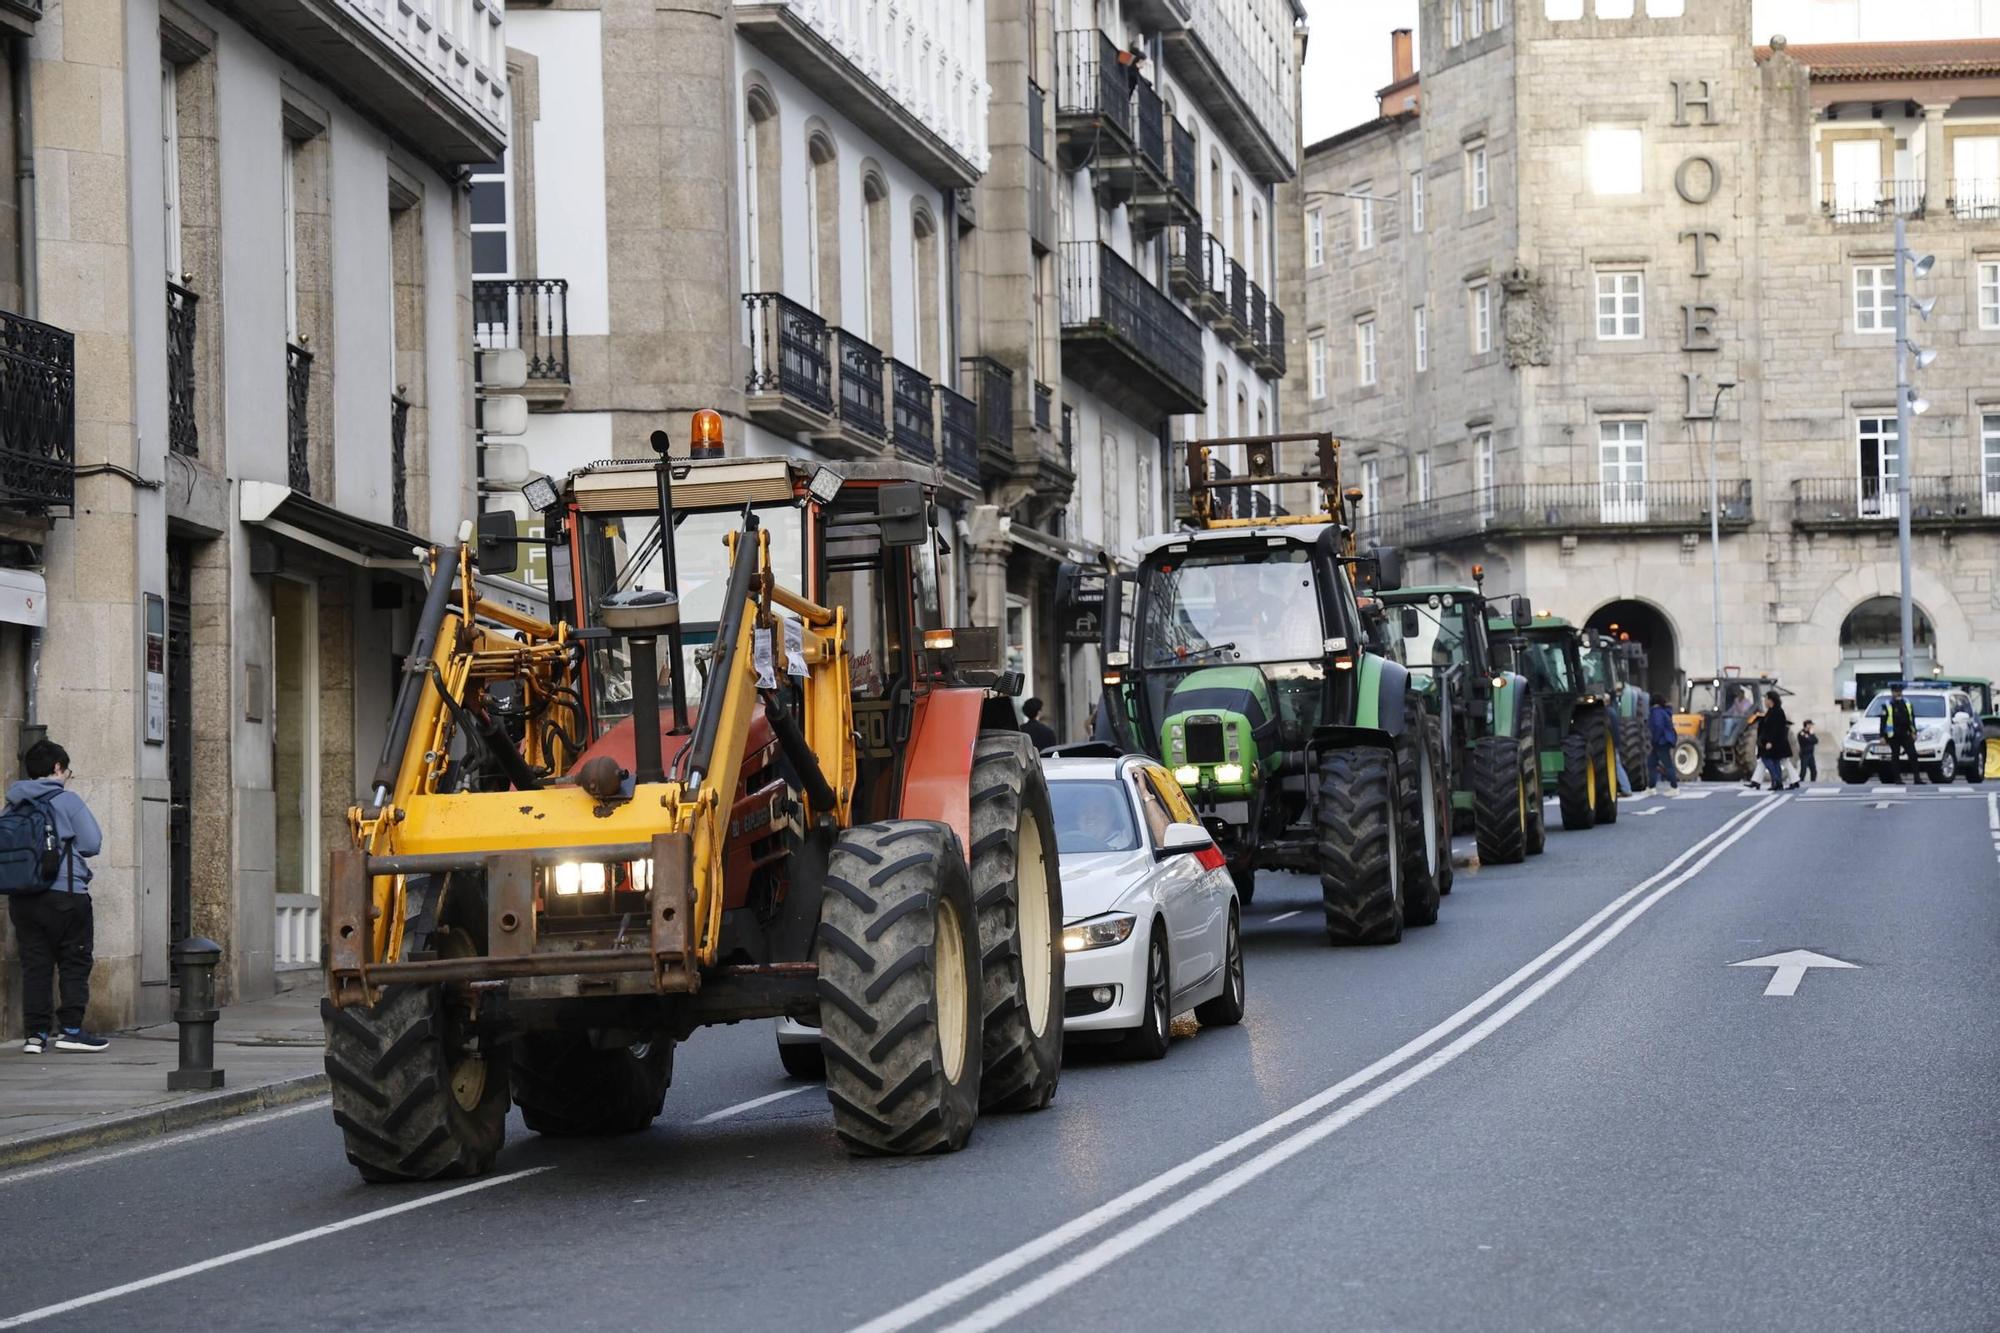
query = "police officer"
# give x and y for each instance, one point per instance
(1899, 729)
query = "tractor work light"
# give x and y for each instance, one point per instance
(572, 879)
(1187, 775)
(1114, 678)
(1499, 682)
(540, 493)
(1228, 773)
(939, 640)
(824, 486)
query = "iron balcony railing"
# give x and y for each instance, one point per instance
(1044, 397)
(1182, 165)
(1973, 197)
(1069, 435)
(1863, 499)
(37, 415)
(298, 422)
(957, 427)
(1260, 334)
(859, 366)
(910, 422)
(1555, 508)
(1187, 260)
(992, 389)
(788, 351)
(1274, 344)
(1239, 295)
(399, 465)
(1038, 121)
(1102, 293)
(1150, 120)
(1851, 203)
(183, 432)
(1089, 80)
(529, 313)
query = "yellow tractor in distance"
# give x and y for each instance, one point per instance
(578, 849)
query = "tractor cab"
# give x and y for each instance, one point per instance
(1717, 723)
(1571, 678)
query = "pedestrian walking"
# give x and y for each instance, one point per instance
(1040, 734)
(53, 925)
(1660, 724)
(1808, 751)
(1774, 741)
(1899, 731)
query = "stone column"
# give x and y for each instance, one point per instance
(989, 565)
(1937, 159)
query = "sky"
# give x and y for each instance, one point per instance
(1348, 56)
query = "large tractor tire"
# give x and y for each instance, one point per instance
(1598, 728)
(1687, 760)
(1500, 819)
(1355, 821)
(568, 1088)
(413, 1096)
(1422, 839)
(1018, 895)
(1634, 750)
(1576, 789)
(899, 987)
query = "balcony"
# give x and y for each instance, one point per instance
(1973, 199)
(1559, 509)
(958, 443)
(911, 427)
(1255, 334)
(1269, 355)
(1870, 203)
(1041, 176)
(399, 465)
(298, 418)
(1124, 337)
(37, 416)
(1854, 503)
(855, 56)
(992, 387)
(434, 70)
(1233, 323)
(1244, 99)
(1211, 300)
(183, 430)
(859, 427)
(790, 386)
(1044, 400)
(533, 315)
(1148, 193)
(1183, 173)
(1093, 100)
(19, 16)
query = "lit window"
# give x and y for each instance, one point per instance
(1615, 166)
(1620, 305)
(1316, 364)
(1477, 195)
(1874, 298)
(1416, 201)
(1479, 305)
(1989, 294)
(1420, 320)
(1315, 238)
(1364, 347)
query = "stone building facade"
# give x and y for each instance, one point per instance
(1584, 227)
(238, 340)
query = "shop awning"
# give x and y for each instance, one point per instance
(284, 512)
(24, 598)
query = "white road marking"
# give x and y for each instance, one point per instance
(1282, 915)
(1089, 1224)
(1993, 811)
(267, 1247)
(168, 1141)
(753, 1104)
(1884, 805)
(1112, 1248)
(1653, 811)
(1897, 790)
(1694, 795)
(1791, 968)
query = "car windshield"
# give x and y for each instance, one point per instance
(1921, 705)
(1258, 605)
(1440, 637)
(1093, 815)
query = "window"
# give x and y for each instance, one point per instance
(1371, 486)
(1111, 481)
(1620, 305)
(1316, 365)
(170, 166)
(1479, 306)
(1364, 218)
(1483, 471)
(1420, 321)
(1476, 17)
(492, 207)
(1874, 298)
(1477, 195)
(1457, 22)
(1615, 160)
(1989, 293)
(1621, 464)
(1879, 458)
(1559, 10)
(877, 322)
(823, 227)
(924, 290)
(763, 235)
(1364, 348)
(1989, 463)
(1857, 178)
(1416, 201)
(1422, 493)
(1975, 176)
(289, 201)
(1315, 238)
(1496, 10)
(1614, 9)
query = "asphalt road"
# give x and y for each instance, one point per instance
(1561, 1107)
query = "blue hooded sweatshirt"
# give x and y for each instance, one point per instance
(1661, 724)
(74, 823)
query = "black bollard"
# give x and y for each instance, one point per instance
(194, 961)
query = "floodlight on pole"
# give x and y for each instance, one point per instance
(1924, 355)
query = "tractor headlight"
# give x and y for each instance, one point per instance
(1227, 773)
(1098, 934)
(1187, 775)
(568, 877)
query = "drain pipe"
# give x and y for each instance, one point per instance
(19, 68)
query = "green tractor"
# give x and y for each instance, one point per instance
(1487, 713)
(1608, 668)
(1575, 731)
(1238, 657)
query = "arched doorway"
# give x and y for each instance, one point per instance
(1871, 648)
(1647, 625)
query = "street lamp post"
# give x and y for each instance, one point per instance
(1715, 519)
(1908, 407)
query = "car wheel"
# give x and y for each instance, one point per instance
(1947, 767)
(1226, 1009)
(1853, 774)
(803, 1060)
(1975, 771)
(1149, 1040)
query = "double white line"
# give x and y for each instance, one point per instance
(1309, 1121)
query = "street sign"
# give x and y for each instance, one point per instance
(1080, 604)
(1791, 968)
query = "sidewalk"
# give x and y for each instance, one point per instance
(269, 1050)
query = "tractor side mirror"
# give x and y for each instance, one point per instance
(1410, 622)
(499, 543)
(1388, 569)
(900, 508)
(1523, 612)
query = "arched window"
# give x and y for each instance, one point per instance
(1238, 241)
(823, 236)
(763, 237)
(1255, 247)
(924, 289)
(1216, 199)
(1218, 405)
(879, 326)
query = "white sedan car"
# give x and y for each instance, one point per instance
(1150, 916)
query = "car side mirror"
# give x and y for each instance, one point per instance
(1182, 838)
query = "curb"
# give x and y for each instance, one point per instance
(154, 1121)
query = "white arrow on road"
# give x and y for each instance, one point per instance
(1791, 968)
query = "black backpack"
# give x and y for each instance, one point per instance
(32, 852)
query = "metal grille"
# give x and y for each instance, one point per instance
(529, 313)
(957, 418)
(1204, 740)
(788, 351)
(298, 425)
(860, 384)
(37, 415)
(910, 404)
(183, 432)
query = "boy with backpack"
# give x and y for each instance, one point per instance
(46, 835)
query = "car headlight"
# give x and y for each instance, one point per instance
(1227, 773)
(1187, 775)
(1098, 933)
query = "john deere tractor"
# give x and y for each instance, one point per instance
(1574, 727)
(1237, 656)
(1486, 710)
(1607, 670)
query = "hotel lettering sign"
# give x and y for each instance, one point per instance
(1697, 181)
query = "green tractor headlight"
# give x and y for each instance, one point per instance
(1187, 775)
(1228, 774)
